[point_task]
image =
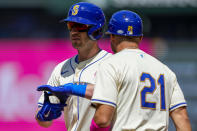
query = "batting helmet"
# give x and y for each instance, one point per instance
(90, 14)
(125, 23)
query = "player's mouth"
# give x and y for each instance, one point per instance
(75, 38)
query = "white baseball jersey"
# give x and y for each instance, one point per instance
(78, 113)
(141, 88)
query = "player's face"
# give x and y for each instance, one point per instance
(78, 34)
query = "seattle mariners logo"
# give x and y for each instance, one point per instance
(130, 30)
(75, 10)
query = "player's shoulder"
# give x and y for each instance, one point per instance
(164, 66)
(66, 62)
(108, 60)
(113, 58)
(104, 53)
(169, 71)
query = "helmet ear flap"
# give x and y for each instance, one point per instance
(95, 32)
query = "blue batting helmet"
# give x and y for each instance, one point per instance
(90, 14)
(125, 23)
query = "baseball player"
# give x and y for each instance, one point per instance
(134, 91)
(85, 22)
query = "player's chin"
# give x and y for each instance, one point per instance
(76, 44)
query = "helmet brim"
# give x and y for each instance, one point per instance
(108, 33)
(79, 20)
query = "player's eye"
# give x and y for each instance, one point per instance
(77, 26)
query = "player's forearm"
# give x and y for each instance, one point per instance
(181, 119)
(184, 125)
(89, 91)
(103, 115)
(82, 90)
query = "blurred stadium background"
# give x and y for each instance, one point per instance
(32, 41)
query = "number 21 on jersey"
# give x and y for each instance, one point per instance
(150, 90)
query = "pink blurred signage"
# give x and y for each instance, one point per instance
(25, 64)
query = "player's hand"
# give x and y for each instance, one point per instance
(56, 89)
(66, 89)
(49, 111)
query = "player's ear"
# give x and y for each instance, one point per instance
(141, 37)
(112, 37)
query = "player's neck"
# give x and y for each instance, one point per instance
(87, 53)
(127, 45)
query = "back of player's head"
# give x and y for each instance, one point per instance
(125, 23)
(89, 14)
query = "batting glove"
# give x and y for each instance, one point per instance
(69, 88)
(49, 111)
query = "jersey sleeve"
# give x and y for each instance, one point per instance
(177, 99)
(105, 91)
